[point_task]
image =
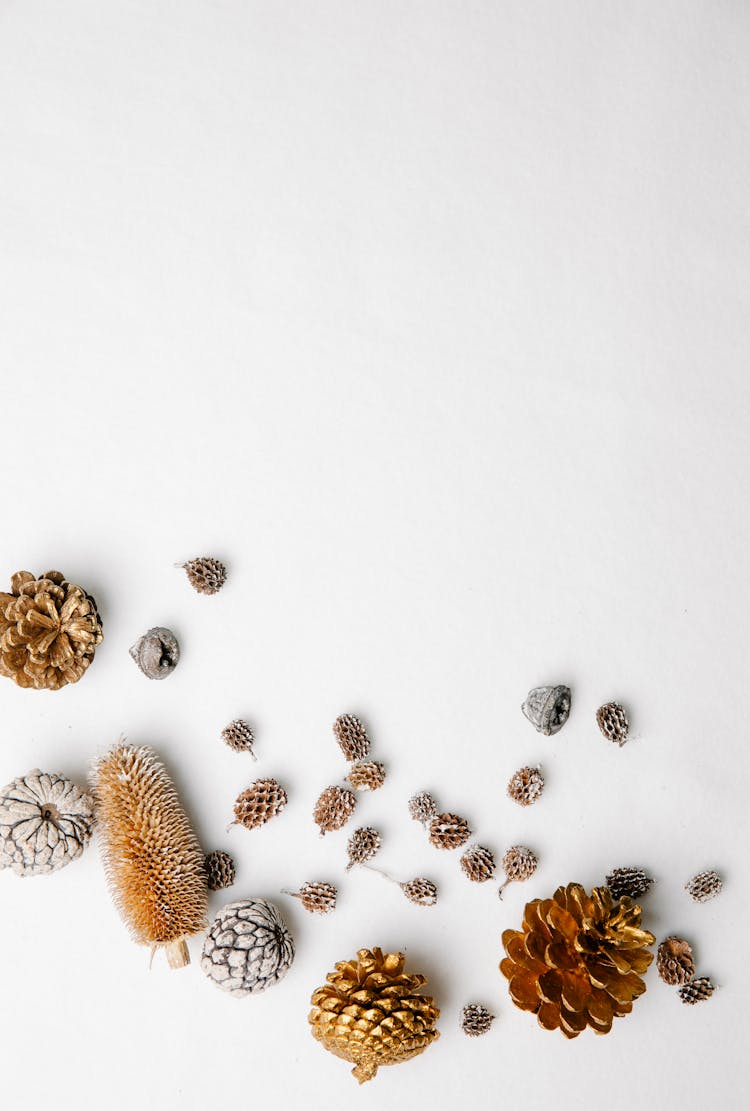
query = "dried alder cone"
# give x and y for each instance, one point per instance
(697, 990)
(333, 809)
(366, 775)
(261, 801)
(45, 822)
(526, 785)
(351, 736)
(613, 722)
(704, 886)
(578, 959)
(476, 1020)
(248, 948)
(448, 831)
(372, 1013)
(205, 574)
(674, 961)
(422, 807)
(317, 898)
(220, 870)
(154, 863)
(478, 864)
(239, 736)
(49, 631)
(362, 846)
(632, 882)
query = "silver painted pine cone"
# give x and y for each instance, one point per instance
(248, 947)
(156, 653)
(45, 822)
(547, 708)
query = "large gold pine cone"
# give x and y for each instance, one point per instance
(578, 960)
(49, 630)
(371, 1012)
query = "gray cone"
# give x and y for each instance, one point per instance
(547, 708)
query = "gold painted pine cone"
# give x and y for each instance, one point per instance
(49, 631)
(578, 959)
(371, 1013)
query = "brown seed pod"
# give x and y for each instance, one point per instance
(697, 990)
(220, 870)
(613, 722)
(526, 785)
(478, 864)
(362, 846)
(205, 574)
(156, 653)
(263, 800)
(317, 898)
(422, 807)
(239, 736)
(366, 775)
(351, 736)
(334, 808)
(674, 961)
(448, 831)
(476, 1020)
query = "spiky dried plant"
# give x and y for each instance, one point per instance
(154, 864)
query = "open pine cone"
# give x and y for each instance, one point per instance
(578, 960)
(49, 630)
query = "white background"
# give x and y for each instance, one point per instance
(432, 320)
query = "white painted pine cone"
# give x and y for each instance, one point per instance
(248, 947)
(45, 822)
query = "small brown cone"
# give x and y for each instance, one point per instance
(420, 891)
(478, 864)
(613, 722)
(334, 808)
(674, 961)
(351, 736)
(220, 870)
(263, 800)
(422, 807)
(448, 831)
(632, 882)
(366, 775)
(696, 991)
(205, 574)
(519, 864)
(704, 886)
(526, 785)
(317, 898)
(239, 736)
(362, 846)
(476, 1020)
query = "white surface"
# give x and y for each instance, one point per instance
(432, 319)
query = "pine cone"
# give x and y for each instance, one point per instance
(448, 831)
(696, 991)
(45, 822)
(263, 800)
(318, 898)
(420, 891)
(519, 864)
(248, 948)
(547, 708)
(205, 574)
(674, 961)
(49, 631)
(478, 864)
(370, 1012)
(578, 959)
(526, 785)
(613, 722)
(220, 870)
(334, 808)
(632, 882)
(156, 653)
(352, 737)
(366, 775)
(476, 1020)
(422, 807)
(239, 736)
(362, 846)
(704, 886)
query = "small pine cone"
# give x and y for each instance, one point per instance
(420, 891)
(630, 882)
(334, 808)
(317, 898)
(476, 1020)
(366, 775)
(526, 785)
(362, 846)
(206, 575)
(422, 807)
(704, 886)
(696, 990)
(448, 831)
(519, 864)
(674, 961)
(478, 864)
(352, 737)
(239, 736)
(613, 722)
(262, 801)
(220, 871)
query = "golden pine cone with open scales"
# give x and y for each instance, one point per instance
(261, 801)
(578, 959)
(526, 785)
(476, 1020)
(422, 807)
(696, 991)
(351, 736)
(366, 775)
(220, 870)
(372, 1013)
(704, 886)
(205, 574)
(675, 962)
(239, 736)
(478, 864)
(448, 831)
(613, 723)
(49, 631)
(317, 898)
(362, 846)
(333, 809)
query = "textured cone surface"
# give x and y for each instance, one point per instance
(156, 653)
(371, 1013)
(49, 631)
(248, 947)
(422, 807)
(519, 864)
(613, 722)
(632, 882)
(704, 886)
(366, 775)
(220, 870)
(547, 708)
(334, 808)
(448, 831)
(45, 822)
(362, 846)
(578, 959)
(478, 864)
(476, 1020)
(239, 736)
(674, 961)
(526, 785)
(351, 736)
(318, 898)
(696, 991)
(206, 575)
(263, 800)
(154, 863)
(420, 891)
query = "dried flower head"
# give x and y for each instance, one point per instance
(526, 785)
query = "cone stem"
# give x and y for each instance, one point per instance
(177, 952)
(380, 872)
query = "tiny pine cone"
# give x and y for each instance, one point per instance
(334, 808)
(422, 807)
(449, 831)
(262, 801)
(476, 1020)
(697, 990)
(674, 961)
(613, 722)
(478, 864)
(220, 870)
(628, 882)
(526, 785)
(362, 846)
(420, 891)
(519, 864)
(239, 736)
(351, 736)
(317, 898)
(206, 574)
(366, 775)
(704, 886)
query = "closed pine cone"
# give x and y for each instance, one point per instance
(632, 882)
(697, 990)
(578, 959)
(362, 846)
(526, 785)
(448, 831)
(674, 961)
(49, 631)
(263, 800)
(239, 736)
(422, 807)
(366, 775)
(478, 864)
(220, 870)
(420, 891)
(205, 574)
(704, 886)
(351, 736)
(613, 722)
(371, 1013)
(318, 898)
(334, 808)
(476, 1020)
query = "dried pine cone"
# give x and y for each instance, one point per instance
(334, 808)
(49, 631)
(519, 864)
(613, 722)
(422, 807)
(526, 785)
(696, 990)
(352, 737)
(632, 882)
(674, 961)
(220, 870)
(362, 846)
(318, 898)
(263, 800)
(547, 708)
(239, 736)
(248, 948)
(478, 864)
(45, 822)
(372, 1013)
(578, 959)
(366, 775)
(420, 891)
(476, 1020)
(448, 831)
(156, 653)
(704, 886)
(205, 574)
